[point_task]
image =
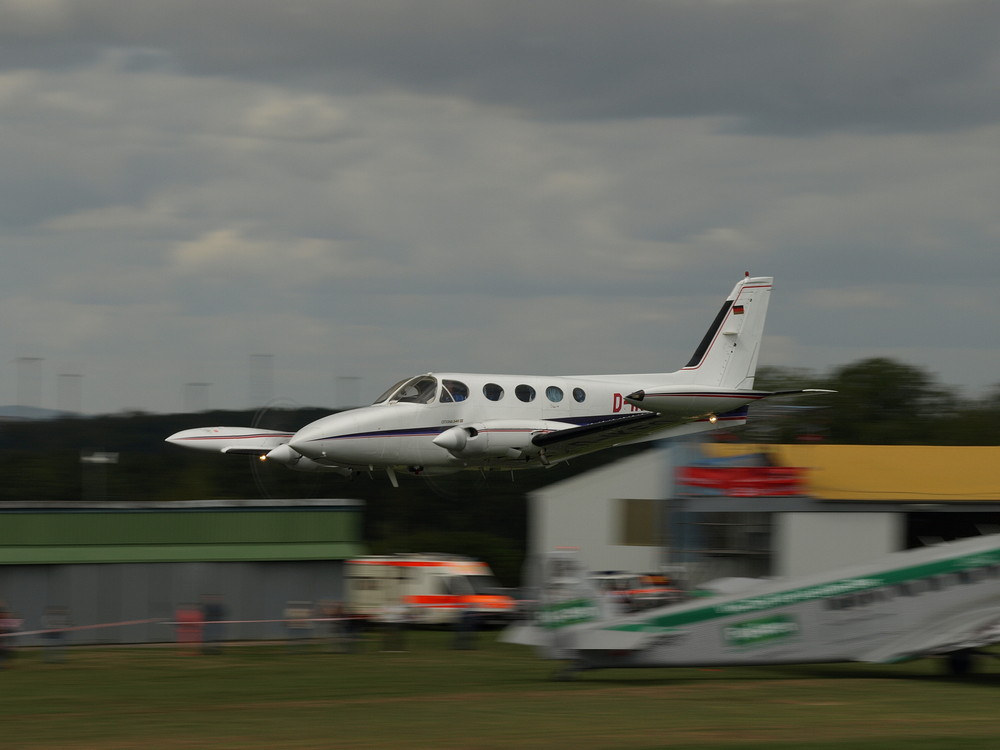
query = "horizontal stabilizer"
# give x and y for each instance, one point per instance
(589, 636)
(687, 402)
(967, 630)
(525, 634)
(801, 392)
(606, 639)
(237, 440)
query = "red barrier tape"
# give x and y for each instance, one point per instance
(80, 627)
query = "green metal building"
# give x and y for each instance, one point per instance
(116, 562)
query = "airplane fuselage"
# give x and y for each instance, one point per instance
(468, 420)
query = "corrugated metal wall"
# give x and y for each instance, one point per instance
(108, 593)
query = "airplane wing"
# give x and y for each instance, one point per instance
(248, 441)
(969, 630)
(633, 428)
(670, 411)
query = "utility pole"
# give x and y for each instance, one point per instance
(29, 381)
(68, 393)
(348, 390)
(196, 397)
(261, 379)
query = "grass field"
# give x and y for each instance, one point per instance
(499, 696)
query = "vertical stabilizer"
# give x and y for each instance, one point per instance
(727, 355)
(566, 601)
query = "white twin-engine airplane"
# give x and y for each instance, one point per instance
(444, 422)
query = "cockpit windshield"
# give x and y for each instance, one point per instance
(419, 390)
(389, 392)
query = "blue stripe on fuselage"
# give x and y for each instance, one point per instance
(438, 429)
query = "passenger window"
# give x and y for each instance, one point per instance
(580, 395)
(554, 394)
(525, 393)
(454, 390)
(493, 392)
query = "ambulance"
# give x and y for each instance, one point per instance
(434, 589)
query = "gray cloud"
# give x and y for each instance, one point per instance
(379, 189)
(769, 65)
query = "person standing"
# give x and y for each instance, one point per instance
(190, 628)
(394, 621)
(55, 622)
(299, 622)
(465, 627)
(213, 612)
(336, 626)
(8, 626)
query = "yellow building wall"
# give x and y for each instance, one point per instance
(929, 473)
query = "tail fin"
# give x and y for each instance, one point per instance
(564, 597)
(727, 355)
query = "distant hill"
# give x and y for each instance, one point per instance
(27, 413)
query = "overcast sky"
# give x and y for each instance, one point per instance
(378, 188)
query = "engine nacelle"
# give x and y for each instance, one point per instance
(288, 456)
(498, 438)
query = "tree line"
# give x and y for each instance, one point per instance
(878, 401)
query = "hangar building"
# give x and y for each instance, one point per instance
(722, 509)
(119, 562)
